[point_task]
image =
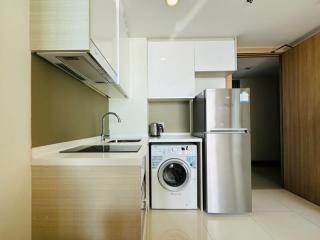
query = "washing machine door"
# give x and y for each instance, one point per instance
(174, 174)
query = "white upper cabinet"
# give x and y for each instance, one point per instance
(104, 30)
(114, 43)
(123, 51)
(59, 25)
(172, 65)
(171, 73)
(218, 55)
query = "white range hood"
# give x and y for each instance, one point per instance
(89, 67)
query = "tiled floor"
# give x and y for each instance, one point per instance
(277, 214)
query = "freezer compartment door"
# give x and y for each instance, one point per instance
(227, 108)
(227, 173)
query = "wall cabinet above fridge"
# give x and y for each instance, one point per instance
(218, 55)
(171, 69)
(173, 65)
(85, 38)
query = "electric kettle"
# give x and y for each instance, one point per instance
(155, 129)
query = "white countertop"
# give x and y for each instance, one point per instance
(168, 138)
(51, 156)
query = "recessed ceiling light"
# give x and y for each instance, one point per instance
(172, 3)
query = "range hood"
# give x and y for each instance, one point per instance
(86, 39)
(90, 67)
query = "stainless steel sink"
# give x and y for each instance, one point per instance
(124, 141)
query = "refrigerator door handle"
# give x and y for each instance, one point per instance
(229, 130)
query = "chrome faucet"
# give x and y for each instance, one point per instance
(103, 135)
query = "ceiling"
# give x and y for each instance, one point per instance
(255, 67)
(265, 23)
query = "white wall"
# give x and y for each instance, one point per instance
(15, 124)
(134, 110)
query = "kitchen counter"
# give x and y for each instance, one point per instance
(51, 156)
(174, 138)
(95, 186)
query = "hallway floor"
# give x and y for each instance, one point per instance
(277, 214)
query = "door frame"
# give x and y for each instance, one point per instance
(268, 52)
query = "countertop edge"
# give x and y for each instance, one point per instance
(50, 155)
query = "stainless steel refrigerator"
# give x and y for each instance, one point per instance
(222, 118)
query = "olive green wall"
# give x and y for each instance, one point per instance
(265, 117)
(174, 114)
(63, 109)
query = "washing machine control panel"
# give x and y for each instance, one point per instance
(192, 160)
(160, 153)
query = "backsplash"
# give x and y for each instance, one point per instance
(63, 109)
(174, 114)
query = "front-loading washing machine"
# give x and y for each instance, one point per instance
(174, 176)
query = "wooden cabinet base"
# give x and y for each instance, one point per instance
(84, 203)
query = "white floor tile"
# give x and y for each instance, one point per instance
(177, 225)
(297, 204)
(263, 201)
(277, 215)
(287, 226)
(234, 227)
(290, 200)
(312, 214)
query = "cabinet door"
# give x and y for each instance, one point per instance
(86, 202)
(123, 51)
(59, 25)
(103, 29)
(215, 56)
(171, 69)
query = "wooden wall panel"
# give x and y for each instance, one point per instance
(301, 119)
